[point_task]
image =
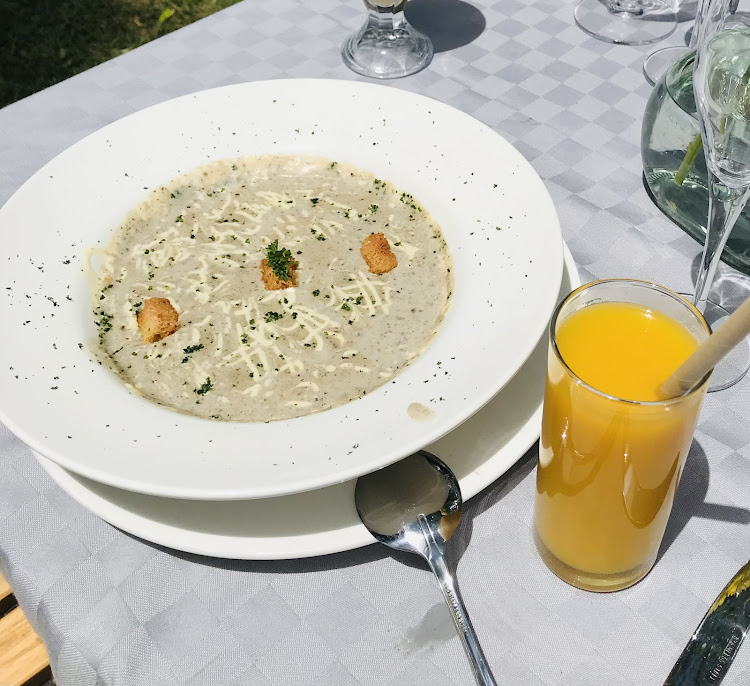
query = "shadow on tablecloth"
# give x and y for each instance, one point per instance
(449, 24)
(690, 500)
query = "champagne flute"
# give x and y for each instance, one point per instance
(627, 22)
(721, 81)
(387, 46)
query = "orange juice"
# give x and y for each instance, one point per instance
(623, 349)
(611, 452)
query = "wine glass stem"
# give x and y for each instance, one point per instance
(634, 7)
(386, 17)
(724, 206)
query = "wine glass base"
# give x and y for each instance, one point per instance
(658, 63)
(653, 23)
(387, 54)
(735, 365)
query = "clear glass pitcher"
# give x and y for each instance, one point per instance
(674, 167)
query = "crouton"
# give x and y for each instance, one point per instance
(157, 320)
(378, 254)
(273, 282)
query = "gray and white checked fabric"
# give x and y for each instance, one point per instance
(114, 610)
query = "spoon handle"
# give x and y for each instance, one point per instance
(436, 560)
(712, 648)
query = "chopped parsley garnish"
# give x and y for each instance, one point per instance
(272, 316)
(314, 201)
(359, 299)
(320, 237)
(373, 208)
(346, 307)
(316, 292)
(179, 219)
(189, 350)
(205, 388)
(333, 164)
(104, 323)
(280, 260)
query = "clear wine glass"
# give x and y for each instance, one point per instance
(628, 22)
(387, 46)
(659, 61)
(721, 81)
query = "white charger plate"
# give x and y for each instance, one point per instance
(495, 212)
(325, 520)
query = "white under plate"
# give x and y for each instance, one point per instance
(323, 521)
(496, 215)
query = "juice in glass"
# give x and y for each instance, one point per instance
(611, 449)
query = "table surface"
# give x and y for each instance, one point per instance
(116, 610)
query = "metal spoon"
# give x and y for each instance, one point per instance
(415, 506)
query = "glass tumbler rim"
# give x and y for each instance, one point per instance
(638, 283)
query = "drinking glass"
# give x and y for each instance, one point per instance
(387, 46)
(628, 22)
(721, 82)
(657, 63)
(609, 467)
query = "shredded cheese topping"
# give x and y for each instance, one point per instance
(243, 352)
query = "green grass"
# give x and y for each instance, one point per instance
(45, 41)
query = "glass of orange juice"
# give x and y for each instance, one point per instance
(612, 448)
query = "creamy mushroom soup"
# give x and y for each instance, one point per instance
(208, 245)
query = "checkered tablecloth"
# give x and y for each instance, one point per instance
(115, 610)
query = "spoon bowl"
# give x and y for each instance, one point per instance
(415, 506)
(395, 503)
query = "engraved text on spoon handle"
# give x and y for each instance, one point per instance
(436, 560)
